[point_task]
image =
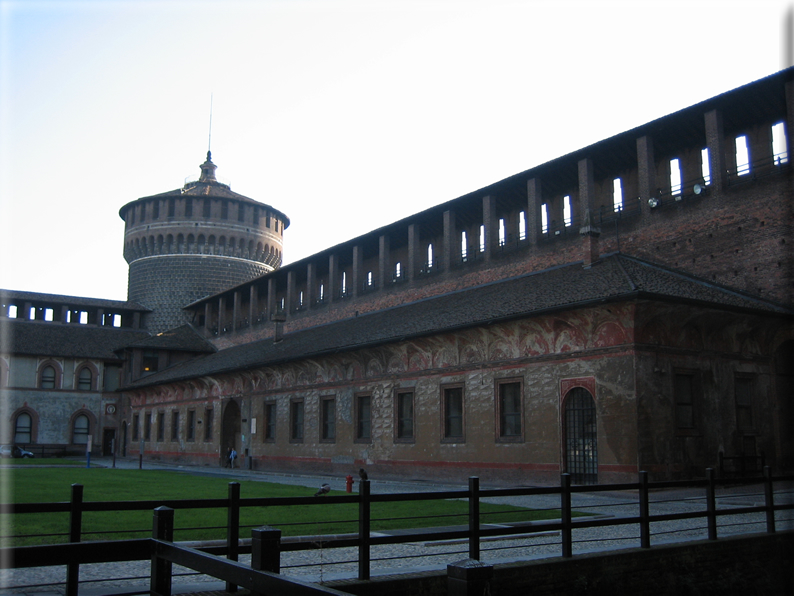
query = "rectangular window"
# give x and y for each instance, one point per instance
(522, 225)
(452, 413)
(567, 215)
(240, 213)
(544, 218)
(269, 435)
(705, 168)
(208, 424)
(160, 427)
(136, 426)
(675, 177)
(617, 195)
(207, 207)
(296, 421)
(509, 400)
(742, 156)
(171, 207)
(156, 210)
(404, 415)
(328, 419)
(684, 393)
(743, 387)
(175, 425)
(188, 207)
(147, 426)
(363, 417)
(191, 425)
(151, 361)
(779, 144)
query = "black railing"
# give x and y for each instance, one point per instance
(265, 549)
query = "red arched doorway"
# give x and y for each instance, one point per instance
(580, 436)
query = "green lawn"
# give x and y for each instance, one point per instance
(34, 484)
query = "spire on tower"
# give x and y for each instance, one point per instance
(208, 170)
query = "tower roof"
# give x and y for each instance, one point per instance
(208, 185)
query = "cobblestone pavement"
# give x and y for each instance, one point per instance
(329, 564)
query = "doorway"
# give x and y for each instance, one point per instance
(108, 438)
(230, 429)
(580, 436)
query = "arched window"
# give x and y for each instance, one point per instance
(85, 379)
(23, 427)
(80, 430)
(48, 377)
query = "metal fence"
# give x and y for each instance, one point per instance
(266, 545)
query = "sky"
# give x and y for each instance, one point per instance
(345, 115)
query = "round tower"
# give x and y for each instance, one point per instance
(195, 241)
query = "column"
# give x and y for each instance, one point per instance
(413, 251)
(384, 262)
(646, 173)
(534, 202)
(311, 284)
(333, 282)
(358, 265)
(715, 141)
(491, 224)
(451, 246)
(587, 199)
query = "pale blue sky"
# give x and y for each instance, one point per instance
(345, 115)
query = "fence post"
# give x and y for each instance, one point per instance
(75, 525)
(266, 549)
(162, 529)
(769, 500)
(711, 504)
(469, 578)
(474, 518)
(645, 513)
(363, 529)
(233, 529)
(565, 514)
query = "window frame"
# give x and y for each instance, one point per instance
(297, 420)
(499, 422)
(209, 417)
(17, 428)
(363, 435)
(190, 428)
(56, 378)
(693, 404)
(446, 389)
(160, 426)
(400, 392)
(147, 427)
(79, 380)
(327, 419)
(136, 427)
(174, 426)
(270, 414)
(87, 434)
(750, 381)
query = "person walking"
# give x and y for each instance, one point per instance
(232, 457)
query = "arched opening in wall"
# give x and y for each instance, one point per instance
(230, 428)
(742, 156)
(23, 429)
(784, 391)
(202, 241)
(779, 144)
(580, 437)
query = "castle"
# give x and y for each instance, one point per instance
(625, 307)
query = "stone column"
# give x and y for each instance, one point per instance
(358, 266)
(587, 190)
(646, 174)
(413, 251)
(333, 282)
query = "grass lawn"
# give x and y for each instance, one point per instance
(34, 484)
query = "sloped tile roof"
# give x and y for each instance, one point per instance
(39, 338)
(613, 278)
(183, 339)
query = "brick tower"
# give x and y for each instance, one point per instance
(195, 241)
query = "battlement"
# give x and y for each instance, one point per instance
(705, 190)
